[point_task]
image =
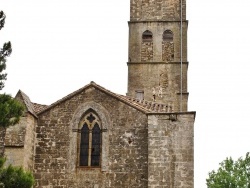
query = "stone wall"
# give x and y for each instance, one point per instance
(159, 81)
(146, 51)
(141, 10)
(157, 28)
(29, 142)
(14, 156)
(167, 51)
(56, 149)
(2, 133)
(15, 134)
(14, 143)
(19, 142)
(171, 150)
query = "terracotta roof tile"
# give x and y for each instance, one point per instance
(38, 107)
(149, 105)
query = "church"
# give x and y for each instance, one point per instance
(95, 138)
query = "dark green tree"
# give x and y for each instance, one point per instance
(5, 51)
(231, 174)
(10, 109)
(14, 177)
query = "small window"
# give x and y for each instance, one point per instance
(147, 36)
(90, 142)
(168, 36)
(139, 95)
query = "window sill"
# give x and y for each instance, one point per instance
(88, 167)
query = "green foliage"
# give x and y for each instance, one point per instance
(10, 110)
(231, 174)
(15, 177)
(2, 161)
(2, 19)
(5, 51)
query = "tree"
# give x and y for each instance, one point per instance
(4, 53)
(231, 174)
(10, 109)
(14, 177)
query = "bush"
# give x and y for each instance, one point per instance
(15, 177)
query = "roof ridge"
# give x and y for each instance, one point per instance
(142, 105)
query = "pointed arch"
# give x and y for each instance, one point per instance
(90, 140)
(99, 116)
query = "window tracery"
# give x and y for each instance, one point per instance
(90, 141)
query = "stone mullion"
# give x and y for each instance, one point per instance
(90, 147)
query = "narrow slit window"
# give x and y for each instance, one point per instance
(84, 149)
(96, 143)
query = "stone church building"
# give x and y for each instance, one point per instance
(94, 138)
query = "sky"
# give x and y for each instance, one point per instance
(59, 46)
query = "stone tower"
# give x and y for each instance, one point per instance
(94, 138)
(157, 62)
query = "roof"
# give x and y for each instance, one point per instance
(144, 106)
(38, 107)
(33, 108)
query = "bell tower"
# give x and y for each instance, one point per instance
(157, 59)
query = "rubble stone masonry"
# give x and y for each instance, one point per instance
(170, 150)
(56, 162)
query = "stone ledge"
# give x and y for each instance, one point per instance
(172, 113)
(164, 21)
(160, 62)
(183, 93)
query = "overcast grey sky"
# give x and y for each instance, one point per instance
(61, 45)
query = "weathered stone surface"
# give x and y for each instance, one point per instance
(147, 51)
(15, 134)
(167, 51)
(126, 136)
(141, 10)
(162, 60)
(170, 150)
(145, 142)
(160, 82)
(19, 141)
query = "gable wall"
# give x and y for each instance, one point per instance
(127, 146)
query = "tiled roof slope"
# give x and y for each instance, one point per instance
(38, 107)
(150, 105)
(33, 108)
(27, 103)
(143, 106)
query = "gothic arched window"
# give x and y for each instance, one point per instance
(168, 36)
(147, 36)
(90, 142)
